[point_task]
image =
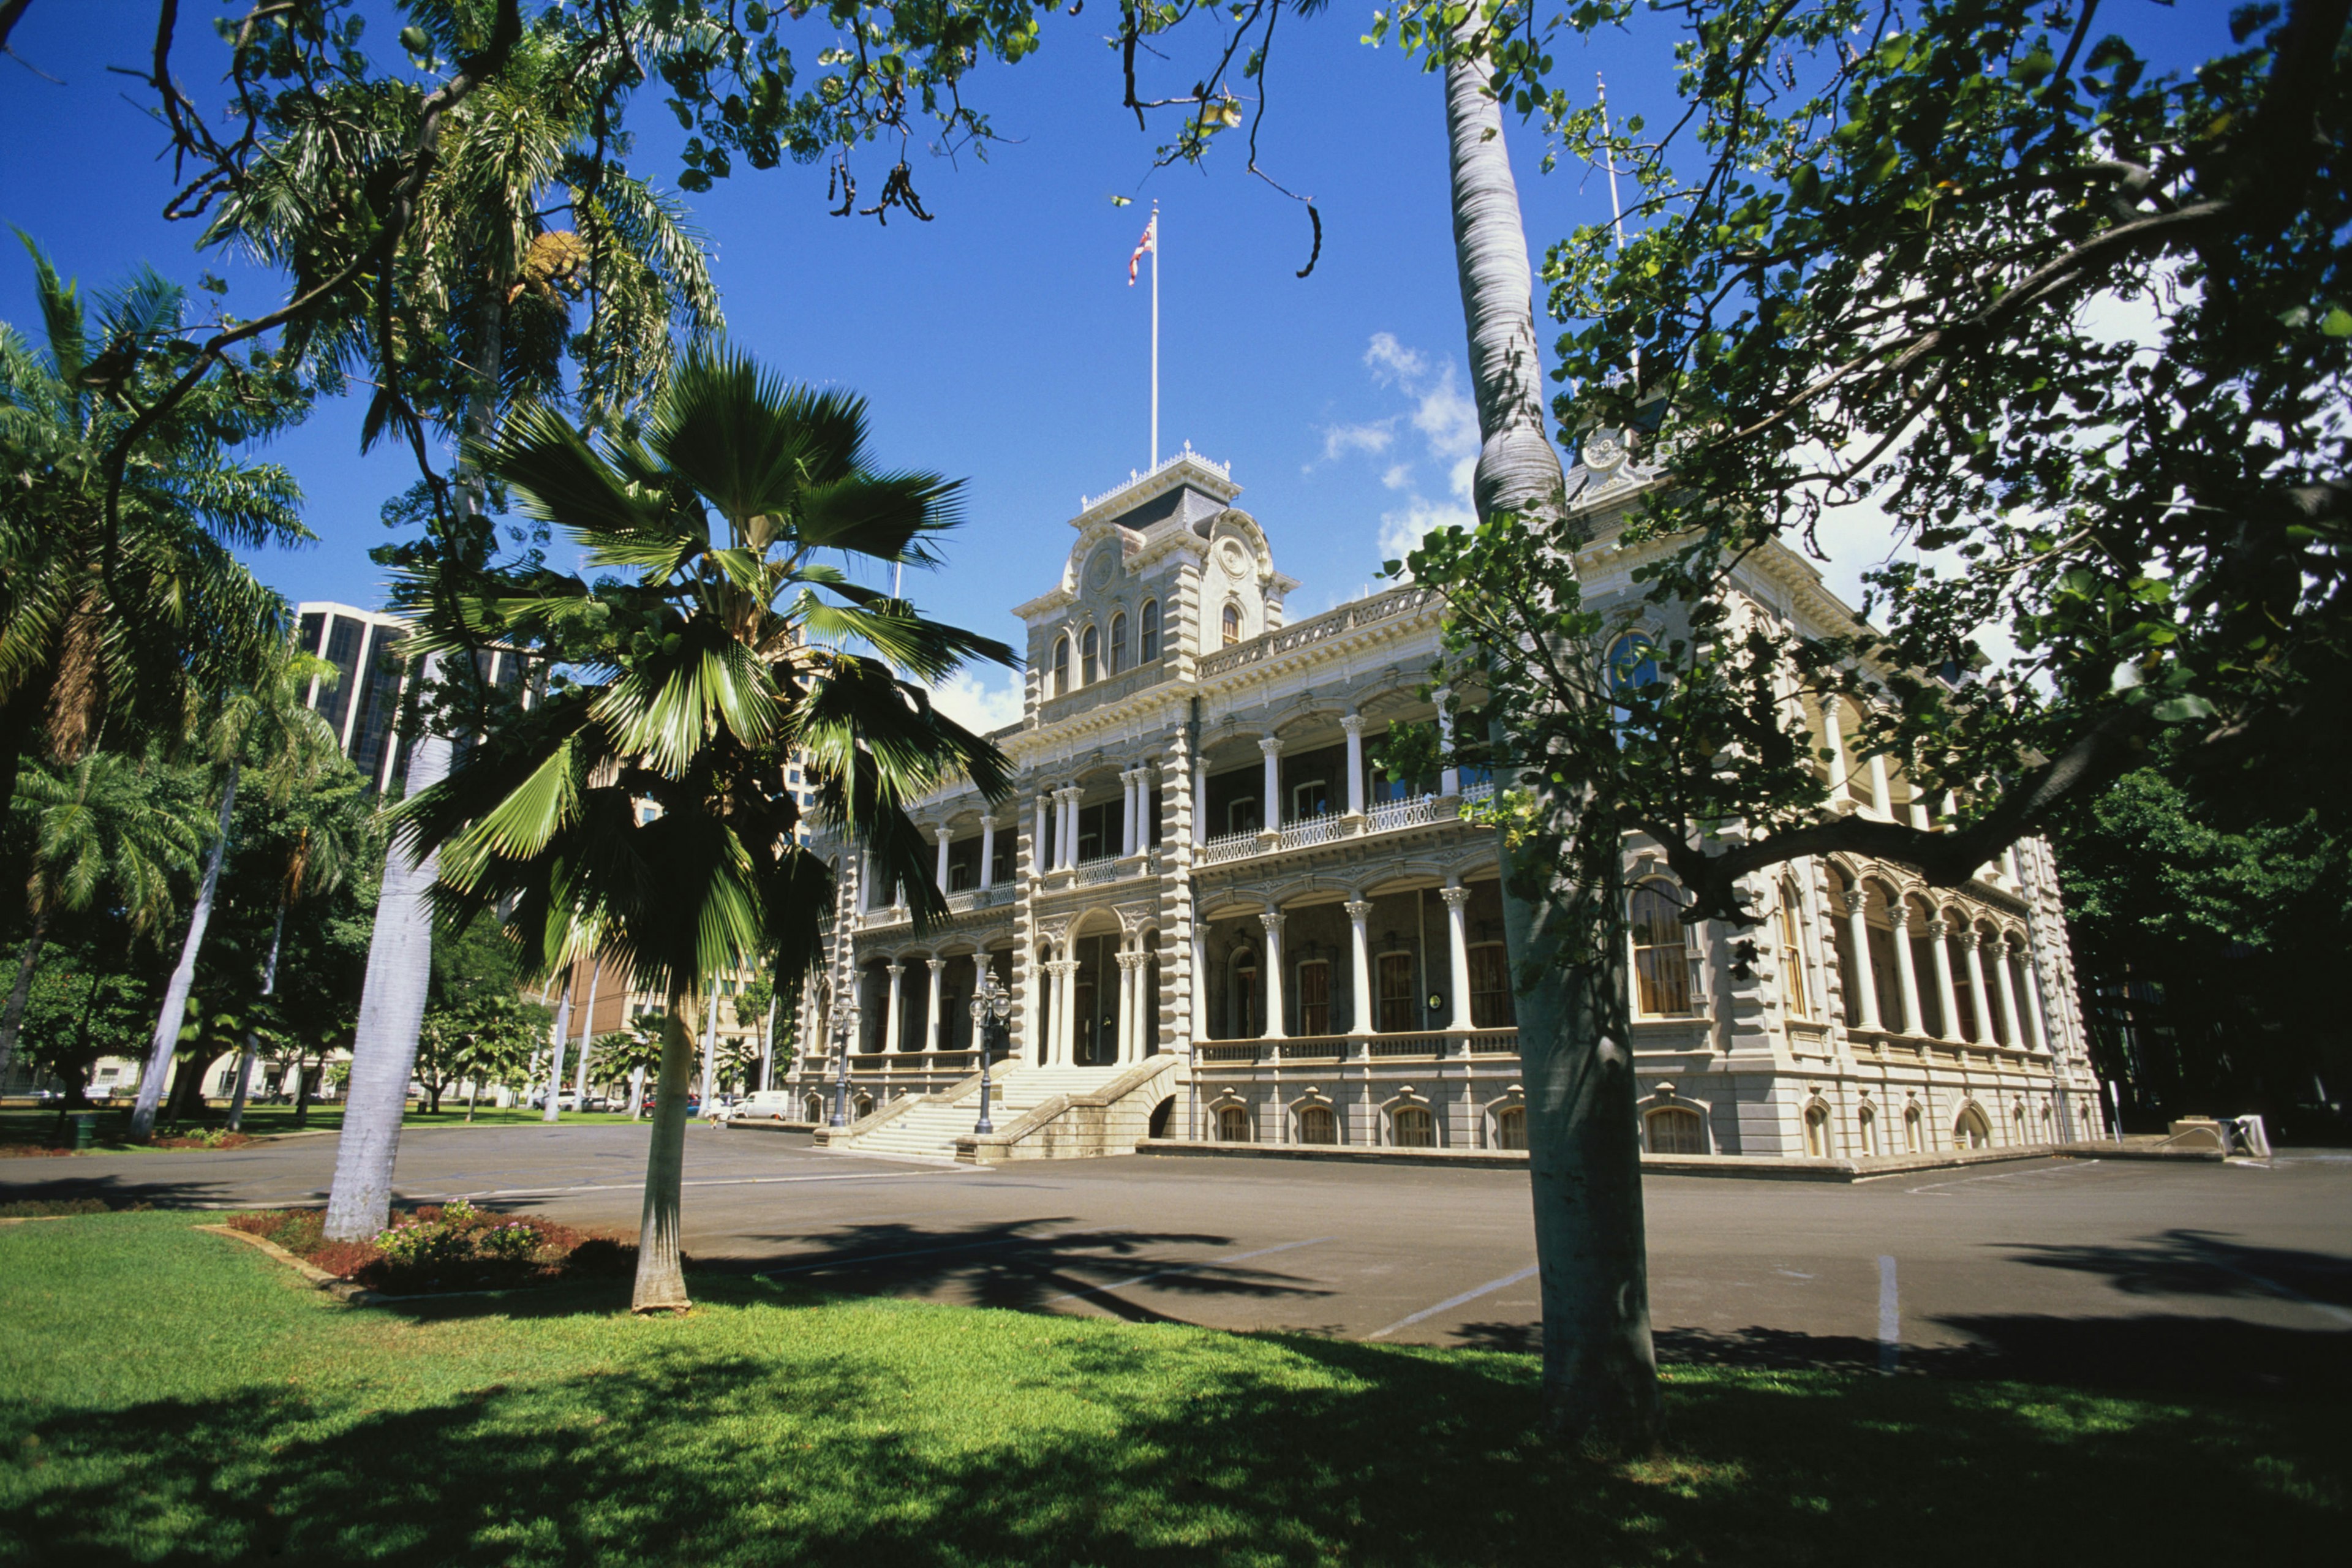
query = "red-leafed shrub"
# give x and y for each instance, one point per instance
(453, 1247)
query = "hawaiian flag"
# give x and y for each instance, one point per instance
(1151, 242)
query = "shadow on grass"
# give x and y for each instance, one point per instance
(974, 1439)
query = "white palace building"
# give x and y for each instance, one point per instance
(1218, 922)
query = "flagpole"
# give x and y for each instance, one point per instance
(1155, 334)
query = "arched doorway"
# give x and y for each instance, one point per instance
(1970, 1129)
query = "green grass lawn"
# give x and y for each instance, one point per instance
(25, 1126)
(177, 1396)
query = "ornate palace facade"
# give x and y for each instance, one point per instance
(1220, 920)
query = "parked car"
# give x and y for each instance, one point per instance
(764, 1105)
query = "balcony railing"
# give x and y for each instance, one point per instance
(1419, 812)
(1229, 846)
(1092, 873)
(1426, 1044)
(1324, 828)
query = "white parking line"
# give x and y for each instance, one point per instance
(1187, 1269)
(2285, 1292)
(1452, 1302)
(1890, 1316)
(2068, 1168)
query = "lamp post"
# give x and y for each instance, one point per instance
(840, 1073)
(991, 1003)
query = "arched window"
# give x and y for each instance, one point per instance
(1511, 1127)
(1147, 648)
(1675, 1131)
(1118, 644)
(1411, 1127)
(1865, 1123)
(1970, 1129)
(1232, 1124)
(1318, 1125)
(1796, 984)
(1393, 974)
(1233, 623)
(1923, 970)
(1490, 987)
(1315, 996)
(816, 1108)
(864, 1108)
(1061, 667)
(1886, 968)
(1994, 954)
(1661, 953)
(2017, 1123)
(1914, 1137)
(1817, 1130)
(1089, 656)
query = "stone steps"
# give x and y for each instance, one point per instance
(929, 1129)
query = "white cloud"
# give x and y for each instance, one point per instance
(1447, 418)
(1372, 439)
(1402, 531)
(968, 698)
(1392, 362)
(1398, 476)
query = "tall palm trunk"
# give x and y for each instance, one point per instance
(184, 974)
(555, 1044)
(710, 1049)
(20, 995)
(587, 1033)
(244, 1055)
(1600, 1371)
(400, 948)
(661, 1278)
(392, 1009)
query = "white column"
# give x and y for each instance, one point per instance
(1041, 846)
(1360, 1019)
(1833, 741)
(1945, 992)
(1272, 920)
(1070, 826)
(1354, 724)
(2040, 1038)
(865, 881)
(1034, 1033)
(1126, 1008)
(1970, 945)
(1881, 797)
(1200, 800)
(987, 853)
(1127, 815)
(938, 1020)
(1270, 816)
(2008, 995)
(1066, 1048)
(1857, 916)
(1915, 1022)
(1199, 1014)
(939, 866)
(1458, 938)
(890, 1018)
(1449, 780)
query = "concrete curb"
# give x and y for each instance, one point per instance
(341, 1289)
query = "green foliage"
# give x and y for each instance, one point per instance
(458, 1233)
(1411, 755)
(642, 811)
(2064, 318)
(784, 1427)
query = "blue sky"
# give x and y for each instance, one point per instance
(1000, 343)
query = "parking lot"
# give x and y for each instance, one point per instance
(2235, 1277)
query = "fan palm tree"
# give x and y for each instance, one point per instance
(265, 728)
(128, 625)
(111, 827)
(643, 810)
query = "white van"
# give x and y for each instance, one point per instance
(766, 1105)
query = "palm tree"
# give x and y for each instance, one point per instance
(111, 827)
(1599, 1371)
(643, 810)
(264, 727)
(306, 851)
(130, 625)
(488, 286)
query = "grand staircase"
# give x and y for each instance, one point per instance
(1038, 1113)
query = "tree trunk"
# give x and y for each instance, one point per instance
(587, 1033)
(392, 1007)
(305, 1082)
(20, 995)
(184, 974)
(710, 1049)
(637, 1092)
(269, 988)
(661, 1278)
(556, 1045)
(1600, 1373)
(473, 1094)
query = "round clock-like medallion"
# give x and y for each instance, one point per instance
(1100, 570)
(1233, 557)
